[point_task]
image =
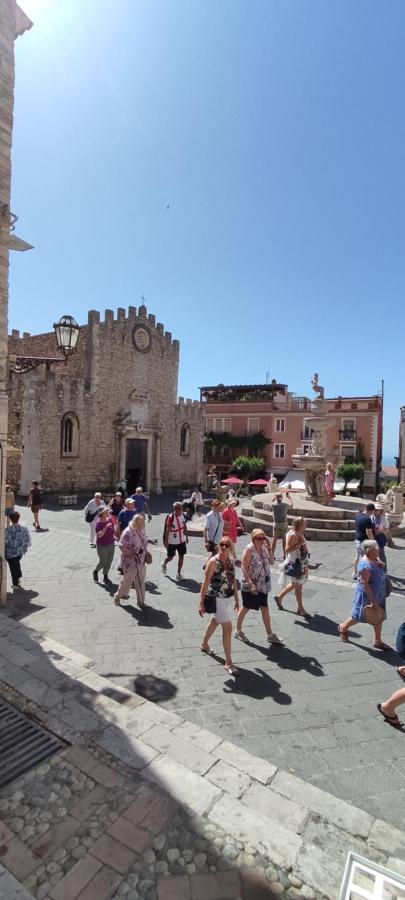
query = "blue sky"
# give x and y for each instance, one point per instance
(274, 131)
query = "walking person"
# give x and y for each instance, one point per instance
(388, 707)
(116, 505)
(91, 511)
(175, 539)
(370, 591)
(364, 532)
(217, 590)
(16, 542)
(197, 499)
(381, 527)
(133, 545)
(105, 544)
(125, 516)
(141, 502)
(279, 508)
(9, 504)
(34, 501)
(256, 582)
(214, 527)
(232, 522)
(295, 565)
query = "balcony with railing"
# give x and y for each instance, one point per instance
(348, 434)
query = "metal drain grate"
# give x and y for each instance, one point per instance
(23, 744)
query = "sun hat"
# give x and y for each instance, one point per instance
(378, 506)
(216, 503)
(373, 614)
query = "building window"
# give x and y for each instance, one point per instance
(306, 448)
(185, 440)
(348, 450)
(307, 432)
(280, 425)
(209, 425)
(221, 425)
(279, 451)
(252, 426)
(69, 435)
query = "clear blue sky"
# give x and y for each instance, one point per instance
(275, 131)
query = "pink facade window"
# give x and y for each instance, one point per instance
(279, 451)
(252, 426)
(279, 425)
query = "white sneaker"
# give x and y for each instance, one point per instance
(241, 636)
(273, 638)
(179, 577)
(164, 568)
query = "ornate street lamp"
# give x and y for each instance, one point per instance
(67, 334)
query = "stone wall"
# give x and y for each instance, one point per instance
(107, 384)
(12, 23)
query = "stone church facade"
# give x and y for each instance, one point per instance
(111, 411)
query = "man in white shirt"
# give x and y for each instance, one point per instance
(175, 538)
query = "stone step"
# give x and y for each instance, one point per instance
(343, 524)
(334, 512)
(312, 534)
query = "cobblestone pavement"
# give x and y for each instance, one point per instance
(309, 707)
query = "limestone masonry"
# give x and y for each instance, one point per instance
(111, 411)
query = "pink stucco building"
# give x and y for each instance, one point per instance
(246, 411)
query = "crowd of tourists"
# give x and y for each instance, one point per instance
(121, 522)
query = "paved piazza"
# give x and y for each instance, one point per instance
(309, 707)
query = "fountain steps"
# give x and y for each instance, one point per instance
(323, 525)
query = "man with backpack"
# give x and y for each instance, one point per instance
(175, 538)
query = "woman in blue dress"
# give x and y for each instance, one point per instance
(370, 590)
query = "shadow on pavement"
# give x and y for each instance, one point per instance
(155, 618)
(257, 684)
(290, 659)
(153, 688)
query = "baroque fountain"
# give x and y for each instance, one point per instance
(314, 462)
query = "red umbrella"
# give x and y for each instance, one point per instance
(233, 480)
(258, 482)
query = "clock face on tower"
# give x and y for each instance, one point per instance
(141, 338)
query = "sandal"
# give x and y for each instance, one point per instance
(232, 670)
(343, 634)
(401, 674)
(385, 648)
(206, 650)
(305, 614)
(392, 720)
(279, 602)
(117, 602)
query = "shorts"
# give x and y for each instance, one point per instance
(8, 510)
(254, 601)
(224, 610)
(358, 545)
(280, 529)
(171, 550)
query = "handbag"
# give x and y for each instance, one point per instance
(210, 604)
(148, 557)
(294, 569)
(373, 614)
(90, 516)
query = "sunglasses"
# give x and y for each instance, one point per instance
(260, 538)
(226, 546)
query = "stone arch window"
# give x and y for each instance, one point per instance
(185, 440)
(69, 434)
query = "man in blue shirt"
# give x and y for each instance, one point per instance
(126, 515)
(16, 542)
(141, 503)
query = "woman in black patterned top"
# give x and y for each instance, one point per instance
(217, 590)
